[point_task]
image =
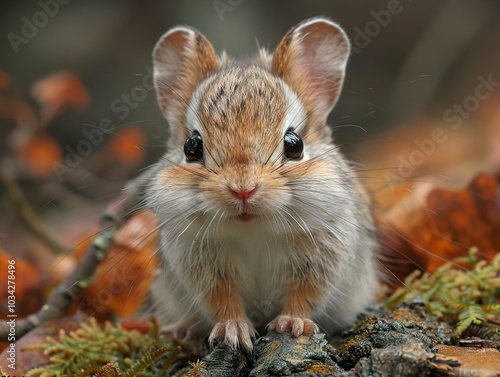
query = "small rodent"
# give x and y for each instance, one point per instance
(263, 221)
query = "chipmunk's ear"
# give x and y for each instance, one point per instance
(311, 59)
(182, 59)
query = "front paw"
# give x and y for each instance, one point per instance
(236, 333)
(297, 326)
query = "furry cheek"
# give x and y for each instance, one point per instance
(183, 175)
(176, 189)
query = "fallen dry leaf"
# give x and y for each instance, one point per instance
(58, 92)
(432, 225)
(39, 154)
(426, 148)
(482, 362)
(492, 126)
(128, 145)
(19, 112)
(26, 285)
(124, 276)
(5, 81)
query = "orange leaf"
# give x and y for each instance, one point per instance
(434, 225)
(473, 361)
(492, 147)
(128, 145)
(27, 285)
(59, 92)
(5, 81)
(124, 276)
(19, 112)
(39, 154)
(425, 148)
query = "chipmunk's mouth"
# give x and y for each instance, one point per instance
(244, 212)
(245, 217)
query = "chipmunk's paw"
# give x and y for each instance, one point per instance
(236, 334)
(297, 326)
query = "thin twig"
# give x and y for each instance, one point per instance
(27, 215)
(60, 300)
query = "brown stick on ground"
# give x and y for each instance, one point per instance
(27, 215)
(112, 219)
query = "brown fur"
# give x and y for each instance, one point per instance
(302, 298)
(223, 300)
(245, 108)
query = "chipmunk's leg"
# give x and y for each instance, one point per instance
(303, 296)
(233, 326)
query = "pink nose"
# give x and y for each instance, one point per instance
(243, 194)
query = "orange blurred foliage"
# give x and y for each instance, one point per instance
(19, 112)
(5, 81)
(27, 286)
(474, 361)
(124, 276)
(128, 145)
(58, 92)
(432, 225)
(39, 154)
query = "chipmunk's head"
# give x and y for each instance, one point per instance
(243, 126)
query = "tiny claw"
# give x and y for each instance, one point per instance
(217, 334)
(310, 328)
(297, 326)
(236, 334)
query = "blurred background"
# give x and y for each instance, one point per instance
(70, 67)
(422, 58)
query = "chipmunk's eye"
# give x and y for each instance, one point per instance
(294, 146)
(193, 147)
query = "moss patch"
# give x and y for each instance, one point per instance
(462, 297)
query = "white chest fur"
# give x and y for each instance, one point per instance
(257, 252)
(261, 258)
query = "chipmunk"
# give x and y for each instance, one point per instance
(263, 221)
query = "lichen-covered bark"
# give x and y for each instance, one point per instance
(223, 362)
(408, 360)
(406, 325)
(389, 344)
(284, 355)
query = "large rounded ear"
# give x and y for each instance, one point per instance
(182, 59)
(311, 59)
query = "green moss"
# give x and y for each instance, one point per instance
(110, 351)
(462, 296)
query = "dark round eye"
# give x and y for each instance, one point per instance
(294, 146)
(193, 147)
